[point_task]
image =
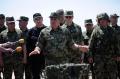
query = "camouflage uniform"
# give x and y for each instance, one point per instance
(76, 33)
(117, 29)
(87, 35)
(104, 48)
(12, 61)
(2, 27)
(25, 35)
(54, 43)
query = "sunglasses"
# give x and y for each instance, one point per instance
(68, 17)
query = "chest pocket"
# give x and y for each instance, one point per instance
(56, 40)
(13, 36)
(74, 31)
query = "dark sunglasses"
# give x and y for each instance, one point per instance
(68, 17)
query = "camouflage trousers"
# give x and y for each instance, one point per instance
(105, 69)
(18, 69)
(13, 64)
(66, 71)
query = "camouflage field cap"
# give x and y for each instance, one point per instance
(69, 13)
(103, 16)
(36, 15)
(54, 15)
(114, 15)
(60, 12)
(23, 18)
(88, 21)
(10, 19)
(2, 16)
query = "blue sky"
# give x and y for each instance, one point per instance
(83, 9)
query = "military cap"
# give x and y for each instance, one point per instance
(69, 13)
(88, 21)
(23, 18)
(103, 16)
(114, 15)
(53, 15)
(60, 12)
(2, 16)
(10, 19)
(36, 15)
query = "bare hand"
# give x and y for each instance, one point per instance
(90, 60)
(9, 50)
(84, 48)
(34, 52)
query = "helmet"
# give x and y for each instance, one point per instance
(103, 16)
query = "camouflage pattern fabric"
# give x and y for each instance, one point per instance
(117, 29)
(67, 71)
(76, 34)
(54, 43)
(12, 61)
(104, 48)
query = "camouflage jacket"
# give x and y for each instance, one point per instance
(117, 30)
(86, 36)
(54, 43)
(76, 32)
(3, 28)
(7, 36)
(104, 42)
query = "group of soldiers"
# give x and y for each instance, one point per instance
(59, 50)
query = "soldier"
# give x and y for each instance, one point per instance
(54, 41)
(76, 33)
(12, 62)
(2, 27)
(2, 22)
(23, 22)
(60, 12)
(87, 34)
(89, 28)
(113, 23)
(104, 49)
(36, 62)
